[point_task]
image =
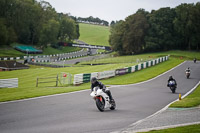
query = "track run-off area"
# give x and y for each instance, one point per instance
(76, 112)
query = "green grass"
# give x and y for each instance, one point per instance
(191, 100)
(50, 50)
(10, 52)
(184, 129)
(94, 34)
(27, 78)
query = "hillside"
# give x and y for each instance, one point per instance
(94, 34)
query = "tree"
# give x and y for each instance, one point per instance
(127, 37)
(112, 23)
(3, 33)
(33, 22)
(196, 23)
(136, 26)
(67, 30)
(160, 35)
(49, 32)
(116, 36)
(183, 24)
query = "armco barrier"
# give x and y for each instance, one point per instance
(9, 83)
(82, 78)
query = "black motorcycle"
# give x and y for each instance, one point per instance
(195, 60)
(172, 86)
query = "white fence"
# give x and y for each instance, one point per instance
(9, 83)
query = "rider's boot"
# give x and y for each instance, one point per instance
(110, 96)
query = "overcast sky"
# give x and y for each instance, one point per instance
(111, 9)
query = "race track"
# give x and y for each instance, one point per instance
(77, 112)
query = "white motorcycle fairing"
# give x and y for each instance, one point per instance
(98, 92)
(102, 99)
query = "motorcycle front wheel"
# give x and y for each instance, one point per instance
(100, 104)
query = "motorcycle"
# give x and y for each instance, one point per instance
(195, 60)
(172, 86)
(102, 99)
(187, 74)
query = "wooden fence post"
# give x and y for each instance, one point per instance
(37, 82)
(57, 80)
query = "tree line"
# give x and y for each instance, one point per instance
(158, 30)
(33, 22)
(92, 20)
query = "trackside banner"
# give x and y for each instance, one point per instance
(105, 74)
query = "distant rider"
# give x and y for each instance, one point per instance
(96, 83)
(187, 70)
(195, 60)
(171, 79)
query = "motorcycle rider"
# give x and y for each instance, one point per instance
(187, 70)
(96, 83)
(171, 79)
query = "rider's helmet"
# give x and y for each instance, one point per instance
(170, 77)
(188, 68)
(93, 80)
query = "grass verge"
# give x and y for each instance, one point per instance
(191, 100)
(94, 34)
(184, 129)
(50, 50)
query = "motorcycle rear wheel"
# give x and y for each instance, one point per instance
(113, 105)
(173, 89)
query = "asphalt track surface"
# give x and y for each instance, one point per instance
(77, 112)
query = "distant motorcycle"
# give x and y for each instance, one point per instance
(172, 86)
(195, 60)
(187, 74)
(102, 99)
